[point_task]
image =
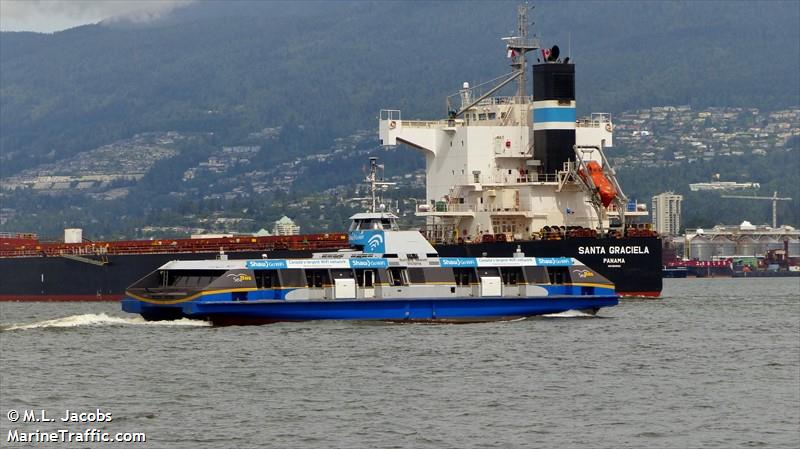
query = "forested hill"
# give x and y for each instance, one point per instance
(235, 68)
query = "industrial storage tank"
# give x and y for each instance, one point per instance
(746, 246)
(768, 243)
(701, 248)
(794, 247)
(724, 247)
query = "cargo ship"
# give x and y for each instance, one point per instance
(502, 173)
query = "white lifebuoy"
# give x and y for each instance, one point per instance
(392, 124)
(608, 127)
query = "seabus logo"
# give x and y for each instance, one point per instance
(583, 273)
(240, 277)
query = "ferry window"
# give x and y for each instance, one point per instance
(341, 274)
(558, 275)
(266, 278)
(488, 272)
(398, 276)
(292, 278)
(317, 278)
(492, 116)
(365, 278)
(416, 276)
(464, 276)
(511, 275)
(536, 275)
(390, 256)
(190, 278)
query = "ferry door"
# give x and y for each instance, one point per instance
(369, 283)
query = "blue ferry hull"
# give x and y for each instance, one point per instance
(423, 309)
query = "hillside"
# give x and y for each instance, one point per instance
(292, 78)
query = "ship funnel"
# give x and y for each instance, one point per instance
(554, 114)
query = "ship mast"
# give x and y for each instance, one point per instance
(374, 183)
(519, 45)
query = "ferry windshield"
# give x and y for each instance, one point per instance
(374, 224)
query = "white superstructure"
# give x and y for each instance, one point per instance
(484, 174)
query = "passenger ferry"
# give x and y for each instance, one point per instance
(386, 274)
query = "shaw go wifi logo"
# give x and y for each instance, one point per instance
(375, 242)
(372, 241)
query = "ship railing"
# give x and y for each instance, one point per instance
(518, 178)
(335, 241)
(19, 235)
(457, 207)
(491, 101)
(428, 123)
(595, 120)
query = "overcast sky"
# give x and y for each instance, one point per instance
(48, 16)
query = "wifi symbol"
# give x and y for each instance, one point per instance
(375, 242)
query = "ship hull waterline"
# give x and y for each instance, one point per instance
(422, 310)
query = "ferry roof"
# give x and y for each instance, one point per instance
(366, 262)
(373, 215)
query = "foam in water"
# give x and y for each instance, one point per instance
(101, 319)
(568, 314)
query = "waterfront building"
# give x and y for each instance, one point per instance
(667, 213)
(285, 226)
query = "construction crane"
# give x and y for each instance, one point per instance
(774, 198)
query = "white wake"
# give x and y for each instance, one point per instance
(568, 314)
(101, 319)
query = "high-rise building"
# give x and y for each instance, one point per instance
(285, 226)
(667, 213)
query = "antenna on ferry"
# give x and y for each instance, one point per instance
(374, 184)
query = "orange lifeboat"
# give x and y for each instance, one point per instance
(604, 187)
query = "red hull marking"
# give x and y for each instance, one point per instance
(61, 298)
(640, 294)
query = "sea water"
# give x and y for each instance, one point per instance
(714, 363)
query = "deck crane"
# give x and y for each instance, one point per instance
(774, 198)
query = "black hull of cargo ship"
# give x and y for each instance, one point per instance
(633, 264)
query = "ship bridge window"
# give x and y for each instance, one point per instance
(511, 275)
(317, 278)
(558, 275)
(492, 116)
(267, 279)
(481, 116)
